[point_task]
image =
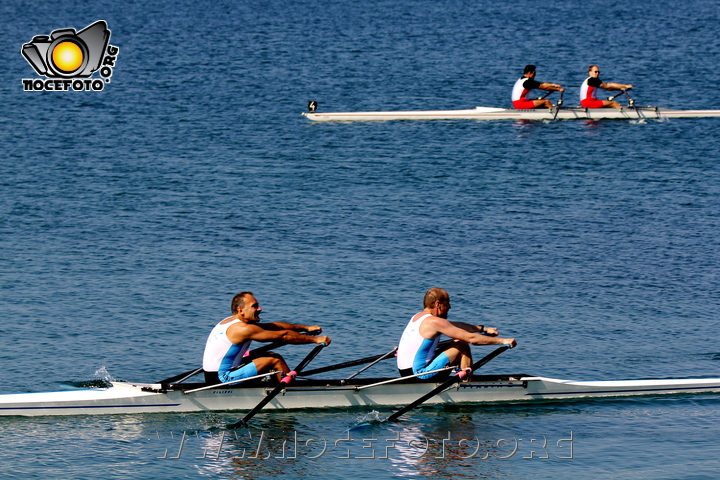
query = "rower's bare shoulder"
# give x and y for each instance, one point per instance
(242, 330)
(433, 325)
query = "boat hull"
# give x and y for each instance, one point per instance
(125, 398)
(485, 113)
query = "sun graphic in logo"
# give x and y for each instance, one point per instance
(67, 56)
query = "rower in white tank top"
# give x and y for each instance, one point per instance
(221, 354)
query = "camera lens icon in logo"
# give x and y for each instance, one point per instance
(66, 53)
(68, 57)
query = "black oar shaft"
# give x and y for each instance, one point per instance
(182, 377)
(383, 357)
(283, 383)
(352, 363)
(447, 383)
(309, 358)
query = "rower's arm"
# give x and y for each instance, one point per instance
(476, 328)
(311, 329)
(447, 328)
(239, 333)
(551, 87)
(615, 86)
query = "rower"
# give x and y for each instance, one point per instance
(417, 349)
(229, 341)
(588, 90)
(527, 84)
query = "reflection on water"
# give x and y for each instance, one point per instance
(444, 444)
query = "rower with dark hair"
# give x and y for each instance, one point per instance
(230, 339)
(417, 349)
(588, 90)
(527, 84)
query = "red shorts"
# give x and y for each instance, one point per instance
(524, 104)
(592, 103)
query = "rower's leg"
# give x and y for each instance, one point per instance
(271, 362)
(459, 354)
(544, 103)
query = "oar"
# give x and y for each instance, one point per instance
(557, 107)
(447, 383)
(548, 93)
(631, 103)
(616, 95)
(283, 383)
(623, 91)
(351, 363)
(182, 377)
(387, 355)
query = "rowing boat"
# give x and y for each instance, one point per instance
(488, 113)
(128, 398)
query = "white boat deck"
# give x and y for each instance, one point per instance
(124, 398)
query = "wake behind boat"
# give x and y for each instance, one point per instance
(175, 395)
(489, 113)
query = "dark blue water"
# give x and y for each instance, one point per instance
(129, 217)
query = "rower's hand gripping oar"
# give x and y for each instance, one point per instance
(283, 383)
(448, 383)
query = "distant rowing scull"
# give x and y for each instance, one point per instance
(489, 113)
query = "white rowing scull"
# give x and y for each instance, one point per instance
(488, 113)
(125, 398)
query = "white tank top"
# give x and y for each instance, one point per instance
(519, 92)
(220, 352)
(413, 348)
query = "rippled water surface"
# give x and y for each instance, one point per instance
(129, 218)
